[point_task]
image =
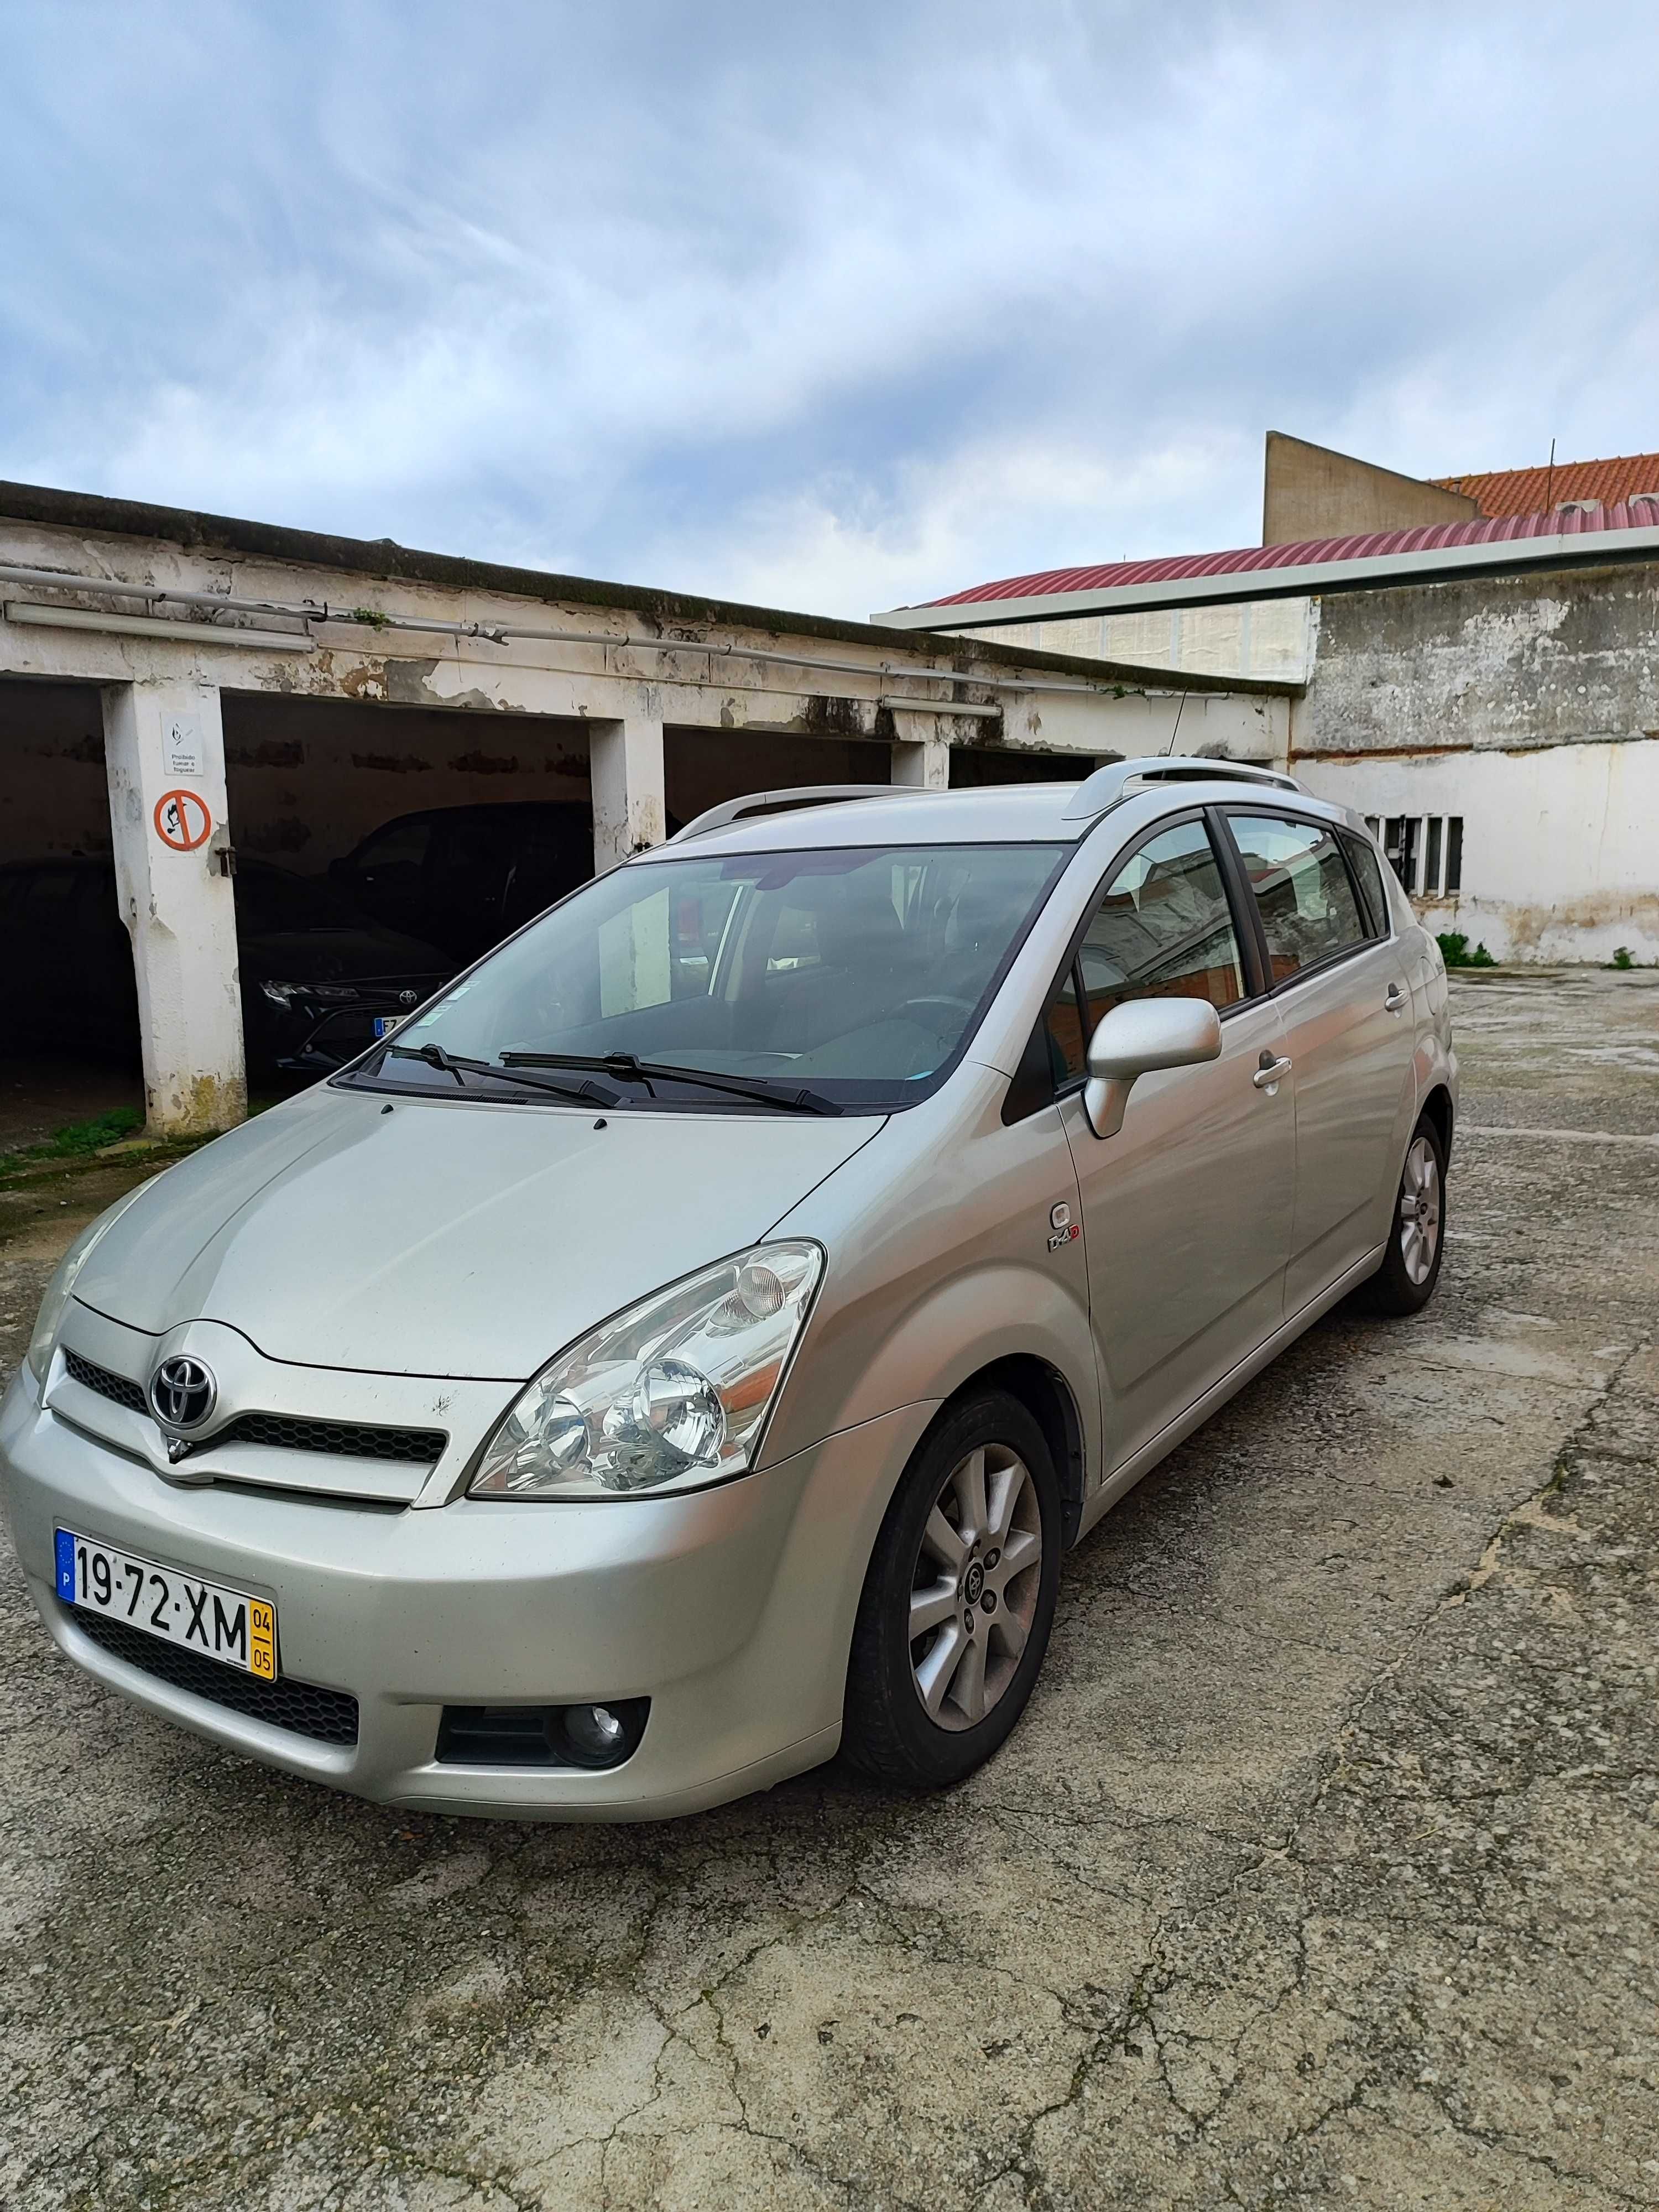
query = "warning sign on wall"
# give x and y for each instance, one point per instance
(184, 750)
(182, 820)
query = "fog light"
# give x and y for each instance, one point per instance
(595, 1735)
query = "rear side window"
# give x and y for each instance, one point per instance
(1303, 891)
(1162, 929)
(1368, 870)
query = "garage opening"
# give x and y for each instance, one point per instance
(69, 1035)
(704, 768)
(379, 849)
(972, 767)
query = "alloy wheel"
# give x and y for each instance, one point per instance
(1419, 1211)
(974, 1585)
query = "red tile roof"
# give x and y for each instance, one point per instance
(1424, 538)
(1530, 491)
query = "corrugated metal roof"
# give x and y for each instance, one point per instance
(1312, 552)
(1533, 491)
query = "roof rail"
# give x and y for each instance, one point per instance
(785, 802)
(1120, 779)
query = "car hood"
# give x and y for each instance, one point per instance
(448, 1239)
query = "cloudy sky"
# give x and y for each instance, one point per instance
(834, 306)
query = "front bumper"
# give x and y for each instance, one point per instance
(731, 1609)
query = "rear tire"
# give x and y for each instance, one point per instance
(958, 1600)
(1405, 1280)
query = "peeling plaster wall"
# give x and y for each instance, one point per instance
(1567, 659)
(1530, 707)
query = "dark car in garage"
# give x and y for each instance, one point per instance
(466, 877)
(316, 975)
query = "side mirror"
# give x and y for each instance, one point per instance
(1135, 1040)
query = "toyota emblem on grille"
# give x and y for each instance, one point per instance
(182, 1392)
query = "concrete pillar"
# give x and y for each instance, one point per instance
(625, 762)
(164, 749)
(924, 764)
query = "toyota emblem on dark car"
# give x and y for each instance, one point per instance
(182, 1391)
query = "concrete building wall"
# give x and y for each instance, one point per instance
(1570, 657)
(1559, 856)
(1527, 706)
(1309, 491)
(1269, 640)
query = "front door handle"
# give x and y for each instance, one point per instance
(1270, 1072)
(1393, 999)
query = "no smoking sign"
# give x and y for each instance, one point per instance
(182, 820)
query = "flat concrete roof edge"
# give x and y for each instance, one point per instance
(383, 559)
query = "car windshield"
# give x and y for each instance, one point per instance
(856, 975)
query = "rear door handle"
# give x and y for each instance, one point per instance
(1394, 998)
(1270, 1072)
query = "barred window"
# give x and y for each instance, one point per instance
(1425, 851)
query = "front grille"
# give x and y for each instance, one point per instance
(289, 1431)
(119, 1388)
(345, 1439)
(301, 1708)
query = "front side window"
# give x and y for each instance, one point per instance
(856, 973)
(1302, 890)
(1162, 929)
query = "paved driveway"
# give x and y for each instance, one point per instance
(1324, 1871)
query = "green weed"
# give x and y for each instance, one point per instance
(1455, 952)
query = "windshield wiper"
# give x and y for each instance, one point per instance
(449, 1063)
(649, 1071)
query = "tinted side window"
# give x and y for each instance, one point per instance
(1162, 929)
(1368, 869)
(1302, 890)
(1063, 1026)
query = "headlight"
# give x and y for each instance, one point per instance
(670, 1395)
(61, 1288)
(284, 994)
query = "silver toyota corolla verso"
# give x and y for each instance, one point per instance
(688, 1345)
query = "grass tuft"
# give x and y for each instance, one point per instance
(1455, 952)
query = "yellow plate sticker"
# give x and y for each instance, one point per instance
(262, 1638)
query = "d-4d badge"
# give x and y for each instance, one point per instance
(1062, 1229)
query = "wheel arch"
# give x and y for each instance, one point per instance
(1439, 1108)
(1048, 1397)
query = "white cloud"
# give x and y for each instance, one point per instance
(837, 308)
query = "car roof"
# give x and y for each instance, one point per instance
(1024, 813)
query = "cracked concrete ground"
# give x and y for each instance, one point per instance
(1324, 1869)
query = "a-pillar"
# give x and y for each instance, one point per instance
(625, 763)
(921, 757)
(164, 748)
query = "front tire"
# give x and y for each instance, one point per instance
(1406, 1281)
(958, 1600)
